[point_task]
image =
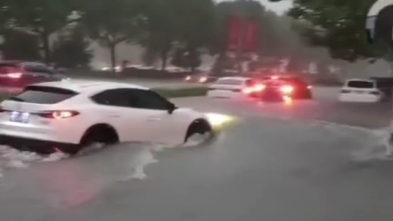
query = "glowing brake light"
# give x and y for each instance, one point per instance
(274, 77)
(260, 87)
(257, 88)
(188, 78)
(14, 75)
(287, 89)
(58, 114)
(309, 87)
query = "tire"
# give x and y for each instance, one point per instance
(198, 127)
(103, 134)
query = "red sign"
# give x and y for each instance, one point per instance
(250, 43)
(243, 34)
(234, 33)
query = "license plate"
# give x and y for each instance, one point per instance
(20, 117)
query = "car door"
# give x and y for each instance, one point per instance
(161, 125)
(114, 106)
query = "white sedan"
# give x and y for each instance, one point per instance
(67, 116)
(234, 87)
(361, 90)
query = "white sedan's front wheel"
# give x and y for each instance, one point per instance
(199, 127)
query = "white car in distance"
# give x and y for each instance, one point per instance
(234, 87)
(67, 116)
(360, 90)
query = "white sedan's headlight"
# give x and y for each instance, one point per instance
(216, 119)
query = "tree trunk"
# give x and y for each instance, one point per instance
(164, 53)
(164, 59)
(112, 49)
(46, 47)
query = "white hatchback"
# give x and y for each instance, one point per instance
(68, 116)
(234, 87)
(360, 90)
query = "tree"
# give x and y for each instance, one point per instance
(163, 18)
(337, 25)
(177, 24)
(71, 49)
(197, 30)
(112, 22)
(185, 59)
(20, 45)
(43, 17)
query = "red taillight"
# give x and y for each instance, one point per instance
(255, 89)
(187, 78)
(14, 75)
(58, 114)
(287, 89)
(309, 87)
(260, 87)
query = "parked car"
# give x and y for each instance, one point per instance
(14, 75)
(361, 90)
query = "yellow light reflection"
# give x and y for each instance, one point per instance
(218, 120)
(288, 100)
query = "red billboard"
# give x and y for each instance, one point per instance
(250, 43)
(242, 34)
(234, 33)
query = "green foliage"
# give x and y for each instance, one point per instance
(111, 22)
(19, 45)
(40, 16)
(71, 49)
(337, 25)
(177, 23)
(185, 59)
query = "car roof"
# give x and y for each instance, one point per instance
(82, 86)
(234, 78)
(17, 62)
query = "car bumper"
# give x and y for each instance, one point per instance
(360, 99)
(40, 146)
(226, 94)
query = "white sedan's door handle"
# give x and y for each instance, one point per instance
(154, 119)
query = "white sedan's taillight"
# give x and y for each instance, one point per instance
(58, 114)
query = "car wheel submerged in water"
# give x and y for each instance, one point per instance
(98, 134)
(200, 130)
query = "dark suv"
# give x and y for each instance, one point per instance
(15, 75)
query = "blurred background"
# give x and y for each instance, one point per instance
(324, 39)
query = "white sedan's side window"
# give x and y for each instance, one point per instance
(115, 97)
(146, 99)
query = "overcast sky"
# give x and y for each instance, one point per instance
(279, 8)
